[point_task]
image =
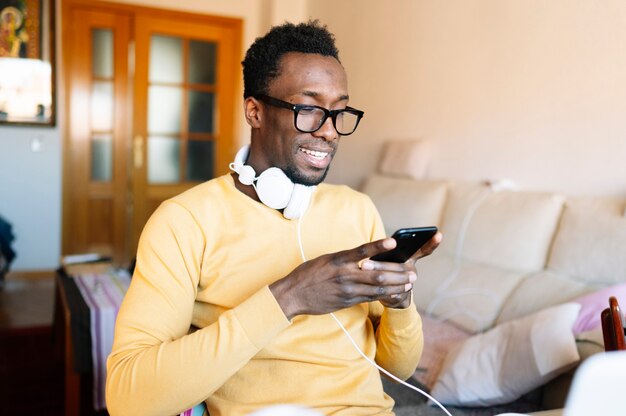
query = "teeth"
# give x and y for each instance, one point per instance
(314, 153)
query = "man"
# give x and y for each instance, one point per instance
(256, 288)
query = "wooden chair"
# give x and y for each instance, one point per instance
(613, 327)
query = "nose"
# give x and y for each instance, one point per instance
(327, 131)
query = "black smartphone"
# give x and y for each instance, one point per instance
(409, 240)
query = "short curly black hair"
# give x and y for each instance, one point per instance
(260, 65)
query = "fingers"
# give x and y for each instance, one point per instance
(374, 280)
(365, 251)
(339, 280)
(432, 244)
(427, 248)
(401, 280)
(386, 266)
(397, 301)
(367, 292)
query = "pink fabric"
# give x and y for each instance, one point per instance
(593, 304)
(439, 338)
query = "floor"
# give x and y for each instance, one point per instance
(31, 373)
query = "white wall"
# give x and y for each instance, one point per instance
(530, 90)
(30, 193)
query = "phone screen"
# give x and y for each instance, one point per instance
(409, 240)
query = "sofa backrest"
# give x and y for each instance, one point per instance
(504, 254)
(508, 229)
(404, 202)
(590, 245)
(512, 230)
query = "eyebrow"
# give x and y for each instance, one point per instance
(315, 94)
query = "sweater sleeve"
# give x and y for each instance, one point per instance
(156, 366)
(399, 340)
(399, 337)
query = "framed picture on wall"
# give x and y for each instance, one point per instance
(27, 93)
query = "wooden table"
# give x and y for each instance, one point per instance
(63, 333)
(71, 330)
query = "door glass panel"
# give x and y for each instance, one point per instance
(200, 156)
(201, 105)
(166, 59)
(202, 62)
(164, 109)
(102, 53)
(102, 106)
(163, 160)
(101, 158)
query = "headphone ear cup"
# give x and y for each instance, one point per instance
(274, 188)
(246, 174)
(299, 202)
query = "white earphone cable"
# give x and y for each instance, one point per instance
(458, 294)
(300, 239)
(372, 362)
(353, 342)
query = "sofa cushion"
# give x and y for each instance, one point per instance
(468, 294)
(591, 241)
(405, 158)
(540, 290)
(404, 202)
(507, 229)
(462, 199)
(509, 360)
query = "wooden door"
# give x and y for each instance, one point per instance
(181, 135)
(150, 102)
(95, 149)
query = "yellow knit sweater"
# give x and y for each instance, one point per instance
(205, 260)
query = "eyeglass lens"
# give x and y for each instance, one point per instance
(310, 119)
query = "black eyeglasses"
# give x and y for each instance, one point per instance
(310, 118)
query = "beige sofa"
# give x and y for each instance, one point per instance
(514, 274)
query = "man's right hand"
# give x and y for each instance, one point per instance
(337, 281)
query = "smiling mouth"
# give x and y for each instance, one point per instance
(314, 153)
(315, 159)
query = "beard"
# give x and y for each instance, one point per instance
(297, 177)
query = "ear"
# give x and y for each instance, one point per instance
(252, 112)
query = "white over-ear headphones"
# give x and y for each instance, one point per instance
(273, 187)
